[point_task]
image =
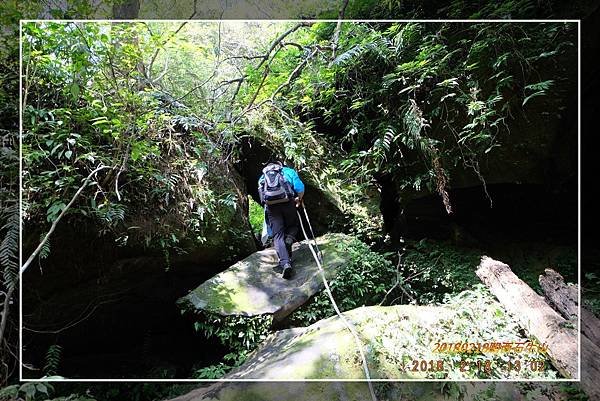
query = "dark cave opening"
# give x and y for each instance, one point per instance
(518, 211)
(528, 226)
(324, 215)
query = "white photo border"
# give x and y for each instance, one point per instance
(470, 21)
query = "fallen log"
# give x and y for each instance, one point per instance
(590, 368)
(590, 327)
(564, 297)
(535, 316)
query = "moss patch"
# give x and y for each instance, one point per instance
(251, 287)
(400, 343)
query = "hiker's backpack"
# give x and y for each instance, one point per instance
(275, 188)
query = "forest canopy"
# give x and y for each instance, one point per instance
(162, 103)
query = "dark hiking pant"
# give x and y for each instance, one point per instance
(284, 223)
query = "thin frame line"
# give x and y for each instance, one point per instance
(579, 191)
(523, 380)
(474, 21)
(20, 199)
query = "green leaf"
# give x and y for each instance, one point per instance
(54, 210)
(408, 88)
(99, 120)
(75, 90)
(533, 95)
(54, 149)
(40, 387)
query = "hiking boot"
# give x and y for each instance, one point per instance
(287, 271)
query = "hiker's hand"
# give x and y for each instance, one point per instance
(298, 202)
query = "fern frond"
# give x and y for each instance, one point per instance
(52, 360)
(9, 247)
(45, 251)
(349, 55)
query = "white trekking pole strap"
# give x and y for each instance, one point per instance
(337, 311)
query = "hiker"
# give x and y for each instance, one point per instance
(281, 190)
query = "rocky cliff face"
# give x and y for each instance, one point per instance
(96, 296)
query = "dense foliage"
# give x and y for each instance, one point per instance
(366, 279)
(416, 101)
(109, 114)
(9, 190)
(432, 270)
(420, 101)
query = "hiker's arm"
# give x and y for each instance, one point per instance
(298, 187)
(297, 184)
(260, 194)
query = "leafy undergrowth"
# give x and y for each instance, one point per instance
(432, 272)
(429, 273)
(239, 334)
(432, 269)
(528, 260)
(364, 280)
(256, 215)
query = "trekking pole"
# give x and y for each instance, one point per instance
(348, 324)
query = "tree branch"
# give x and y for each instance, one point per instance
(397, 284)
(153, 59)
(277, 41)
(195, 88)
(293, 75)
(62, 213)
(338, 28)
(5, 310)
(297, 45)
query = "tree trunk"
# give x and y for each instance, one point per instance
(590, 368)
(128, 9)
(534, 315)
(590, 326)
(562, 296)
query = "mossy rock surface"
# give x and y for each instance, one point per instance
(252, 287)
(327, 350)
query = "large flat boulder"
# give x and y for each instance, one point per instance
(327, 350)
(252, 287)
